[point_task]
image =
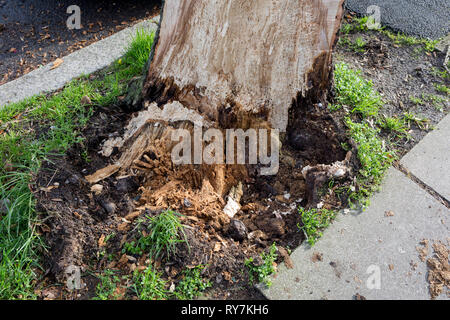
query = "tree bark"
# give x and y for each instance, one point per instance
(256, 57)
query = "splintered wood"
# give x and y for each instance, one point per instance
(146, 152)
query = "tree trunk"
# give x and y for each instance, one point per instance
(229, 64)
(256, 56)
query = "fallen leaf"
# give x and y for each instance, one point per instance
(101, 241)
(389, 213)
(56, 63)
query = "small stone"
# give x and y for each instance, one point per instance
(257, 235)
(109, 207)
(126, 185)
(359, 297)
(389, 213)
(281, 198)
(289, 161)
(85, 100)
(317, 256)
(131, 259)
(187, 203)
(237, 230)
(73, 179)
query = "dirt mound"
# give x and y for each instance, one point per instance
(79, 214)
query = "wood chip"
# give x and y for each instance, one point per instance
(101, 241)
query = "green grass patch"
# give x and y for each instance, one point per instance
(148, 285)
(261, 272)
(442, 88)
(374, 157)
(355, 91)
(314, 221)
(106, 289)
(165, 232)
(31, 131)
(192, 284)
(394, 125)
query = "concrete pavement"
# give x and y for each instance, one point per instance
(98, 55)
(379, 244)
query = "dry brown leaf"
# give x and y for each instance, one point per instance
(56, 63)
(101, 241)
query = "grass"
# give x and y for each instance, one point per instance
(165, 233)
(192, 284)
(410, 118)
(107, 287)
(314, 221)
(394, 125)
(438, 102)
(355, 91)
(148, 285)
(442, 88)
(361, 24)
(374, 157)
(261, 272)
(30, 132)
(443, 74)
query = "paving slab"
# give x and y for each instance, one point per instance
(84, 61)
(429, 160)
(357, 250)
(424, 18)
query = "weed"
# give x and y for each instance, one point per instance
(355, 91)
(314, 221)
(148, 285)
(107, 287)
(192, 284)
(372, 155)
(334, 107)
(359, 45)
(442, 88)
(409, 118)
(417, 101)
(261, 272)
(437, 101)
(395, 125)
(165, 232)
(440, 73)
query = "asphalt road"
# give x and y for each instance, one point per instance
(425, 18)
(33, 33)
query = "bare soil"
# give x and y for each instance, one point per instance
(76, 217)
